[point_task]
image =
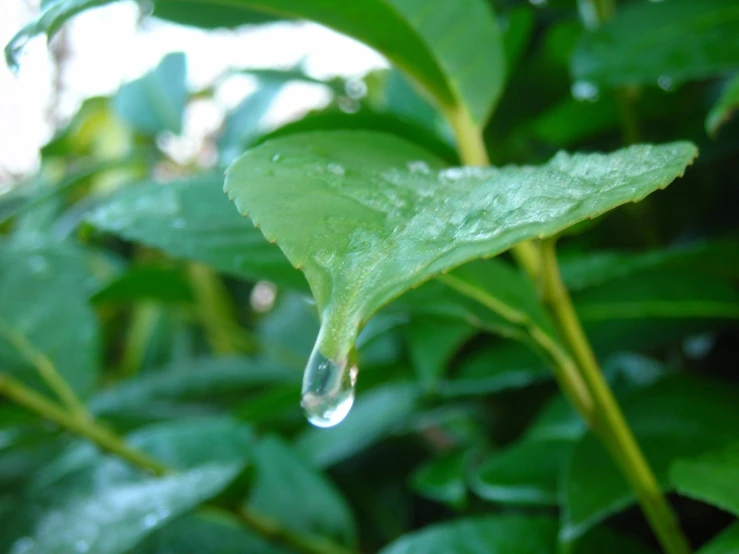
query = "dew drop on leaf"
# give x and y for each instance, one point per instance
(328, 389)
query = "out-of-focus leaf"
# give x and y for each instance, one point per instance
(646, 40)
(366, 227)
(676, 418)
(84, 501)
(288, 489)
(723, 110)
(375, 414)
(572, 121)
(290, 327)
(192, 219)
(659, 294)
(146, 282)
(712, 478)
(183, 387)
(44, 312)
(206, 532)
(422, 38)
(156, 101)
(431, 345)
(506, 534)
(527, 472)
(208, 15)
(726, 543)
(506, 365)
(443, 479)
(602, 540)
(517, 25)
(717, 257)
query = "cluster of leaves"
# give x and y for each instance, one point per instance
(129, 281)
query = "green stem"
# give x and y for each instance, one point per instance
(611, 425)
(45, 368)
(110, 442)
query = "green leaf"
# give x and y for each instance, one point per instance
(658, 294)
(44, 313)
(676, 418)
(724, 109)
(206, 532)
(712, 478)
(527, 472)
(453, 49)
(505, 534)
(375, 414)
(207, 15)
(365, 226)
(186, 387)
(443, 478)
(84, 501)
(432, 343)
(602, 540)
(288, 489)
(646, 40)
(156, 101)
(726, 543)
(147, 282)
(192, 219)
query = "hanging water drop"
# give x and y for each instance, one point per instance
(328, 389)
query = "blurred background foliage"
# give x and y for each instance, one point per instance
(125, 268)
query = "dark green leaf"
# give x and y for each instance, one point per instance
(432, 343)
(726, 543)
(366, 226)
(207, 15)
(376, 414)
(156, 101)
(676, 418)
(288, 489)
(147, 282)
(725, 107)
(44, 313)
(712, 478)
(527, 472)
(647, 40)
(484, 535)
(443, 479)
(192, 219)
(602, 540)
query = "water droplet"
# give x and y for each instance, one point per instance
(263, 297)
(179, 223)
(665, 82)
(81, 547)
(276, 157)
(150, 520)
(328, 389)
(585, 90)
(355, 88)
(336, 169)
(23, 545)
(348, 105)
(418, 166)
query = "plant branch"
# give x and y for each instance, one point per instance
(45, 368)
(611, 424)
(111, 442)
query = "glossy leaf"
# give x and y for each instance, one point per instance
(646, 41)
(192, 219)
(422, 38)
(365, 226)
(288, 489)
(527, 472)
(712, 478)
(482, 535)
(676, 418)
(156, 101)
(725, 108)
(87, 501)
(44, 313)
(726, 543)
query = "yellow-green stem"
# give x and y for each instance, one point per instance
(610, 424)
(45, 368)
(110, 442)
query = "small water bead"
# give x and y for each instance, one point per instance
(336, 169)
(418, 166)
(585, 90)
(328, 389)
(276, 157)
(665, 83)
